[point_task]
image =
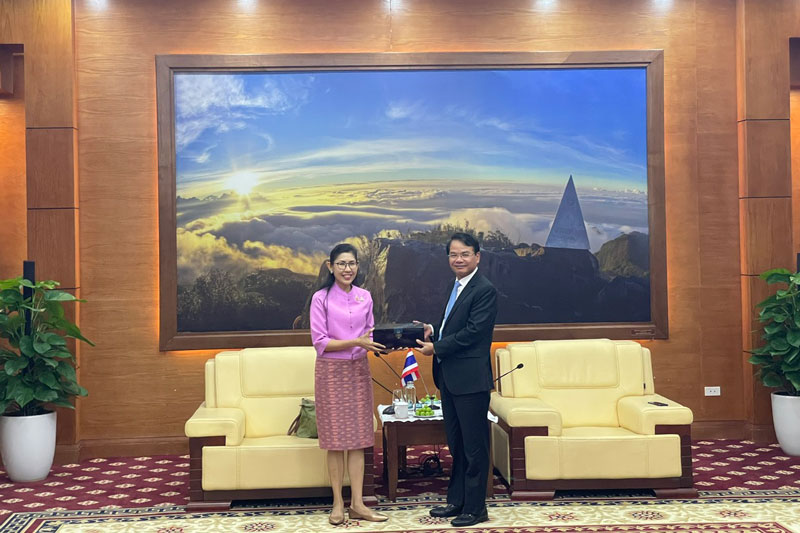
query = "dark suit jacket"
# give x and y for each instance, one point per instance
(465, 348)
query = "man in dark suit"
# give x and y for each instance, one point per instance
(460, 345)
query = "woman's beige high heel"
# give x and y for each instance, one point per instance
(336, 521)
(371, 517)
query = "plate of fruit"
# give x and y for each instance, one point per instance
(424, 412)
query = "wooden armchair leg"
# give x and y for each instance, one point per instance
(208, 507)
(677, 494)
(533, 495)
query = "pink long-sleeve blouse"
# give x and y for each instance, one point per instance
(336, 314)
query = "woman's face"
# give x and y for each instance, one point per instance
(344, 268)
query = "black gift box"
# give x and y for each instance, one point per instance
(398, 335)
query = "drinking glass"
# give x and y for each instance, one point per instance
(400, 403)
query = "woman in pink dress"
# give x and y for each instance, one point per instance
(341, 328)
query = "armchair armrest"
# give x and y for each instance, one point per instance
(639, 416)
(526, 412)
(217, 421)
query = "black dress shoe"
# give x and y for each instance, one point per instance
(466, 519)
(445, 511)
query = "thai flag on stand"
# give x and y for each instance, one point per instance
(410, 368)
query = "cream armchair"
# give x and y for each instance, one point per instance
(238, 444)
(579, 414)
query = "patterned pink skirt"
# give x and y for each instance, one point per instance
(343, 396)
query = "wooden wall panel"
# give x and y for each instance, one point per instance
(44, 27)
(754, 290)
(766, 241)
(755, 396)
(52, 168)
(794, 133)
(763, 58)
(52, 243)
(67, 429)
(717, 190)
(13, 230)
(117, 43)
(50, 70)
(765, 161)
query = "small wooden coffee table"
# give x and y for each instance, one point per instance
(397, 434)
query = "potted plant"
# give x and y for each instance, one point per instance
(37, 372)
(779, 359)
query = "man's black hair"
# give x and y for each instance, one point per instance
(467, 239)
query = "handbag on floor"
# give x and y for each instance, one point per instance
(305, 424)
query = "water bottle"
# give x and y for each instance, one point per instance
(411, 395)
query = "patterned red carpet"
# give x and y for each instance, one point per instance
(731, 467)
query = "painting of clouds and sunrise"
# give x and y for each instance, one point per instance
(547, 167)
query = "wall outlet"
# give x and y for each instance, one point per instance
(713, 391)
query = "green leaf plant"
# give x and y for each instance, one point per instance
(37, 369)
(779, 358)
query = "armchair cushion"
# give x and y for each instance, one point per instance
(216, 421)
(639, 416)
(602, 453)
(283, 461)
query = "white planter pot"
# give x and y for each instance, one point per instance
(28, 444)
(786, 418)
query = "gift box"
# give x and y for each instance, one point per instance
(395, 336)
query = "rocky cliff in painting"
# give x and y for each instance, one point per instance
(628, 255)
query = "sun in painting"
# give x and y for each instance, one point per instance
(242, 183)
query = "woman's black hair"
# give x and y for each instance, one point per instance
(339, 249)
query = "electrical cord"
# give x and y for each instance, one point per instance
(428, 465)
(431, 462)
(431, 465)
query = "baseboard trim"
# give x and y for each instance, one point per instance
(718, 429)
(760, 433)
(733, 429)
(67, 454)
(130, 447)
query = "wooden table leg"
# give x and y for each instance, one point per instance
(490, 480)
(384, 449)
(390, 456)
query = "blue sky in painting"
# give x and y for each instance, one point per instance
(333, 127)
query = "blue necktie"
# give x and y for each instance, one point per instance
(450, 303)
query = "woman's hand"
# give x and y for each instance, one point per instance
(366, 342)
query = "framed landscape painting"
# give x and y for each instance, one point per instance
(554, 161)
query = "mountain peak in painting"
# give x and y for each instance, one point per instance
(569, 230)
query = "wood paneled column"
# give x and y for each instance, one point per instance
(45, 29)
(765, 192)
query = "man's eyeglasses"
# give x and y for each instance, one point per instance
(462, 255)
(341, 265)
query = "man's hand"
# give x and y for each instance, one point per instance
(425, 347)
(428, 329)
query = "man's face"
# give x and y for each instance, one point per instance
(463, 260)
